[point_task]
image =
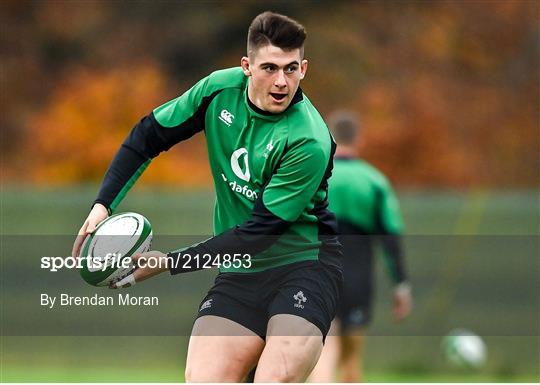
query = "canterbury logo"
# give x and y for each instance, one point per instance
(235, 164)
(207, 304)
(226, 117)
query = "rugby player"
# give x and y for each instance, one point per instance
(271, 155)
(367, 211)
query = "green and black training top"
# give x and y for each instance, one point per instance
(367, 209)
(270, 171)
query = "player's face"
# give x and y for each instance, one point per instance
(275, 76)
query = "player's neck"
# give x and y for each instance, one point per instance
(346, 152)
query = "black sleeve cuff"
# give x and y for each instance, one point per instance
(104, 204)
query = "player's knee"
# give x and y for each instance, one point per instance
(212, 373)
(196, 375)
(277, 373)
(191, 375)
(187, 374)
(288, 358)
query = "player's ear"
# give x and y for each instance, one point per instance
(303, 68)
(244, 62)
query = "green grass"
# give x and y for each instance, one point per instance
(91, 374)
(175, 374)
(35, 210)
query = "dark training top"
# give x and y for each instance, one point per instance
(366, 208)
(270, 172)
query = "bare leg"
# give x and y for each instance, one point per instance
(351, 356)
(325, 370)
(293, 346)
(221, 350)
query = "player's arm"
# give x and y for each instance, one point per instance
(167, 125)
(290, 190)
(248, 239)
(391, 226)
(171, 123)
(394, 258)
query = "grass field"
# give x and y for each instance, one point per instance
(174, 374)
(473, 259)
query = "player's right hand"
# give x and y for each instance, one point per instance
(97, 214)
(403, 301)
(143, 270)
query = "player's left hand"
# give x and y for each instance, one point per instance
(402, 301)
(147, 265)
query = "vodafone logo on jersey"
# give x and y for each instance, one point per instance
(240, 172)
(240, 167)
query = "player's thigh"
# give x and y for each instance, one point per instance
(326, 366)
(293, 346)
(221, 350)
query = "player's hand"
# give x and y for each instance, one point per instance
(97, 214)
(156, 259)
(402, 301)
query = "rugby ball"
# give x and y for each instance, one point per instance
(105, 252)
(462, 348)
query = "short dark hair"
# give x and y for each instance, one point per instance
(279, 30)
(345, 126)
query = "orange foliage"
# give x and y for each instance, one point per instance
(76, 135)
(447, 91)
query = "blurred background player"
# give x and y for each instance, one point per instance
(367, 211)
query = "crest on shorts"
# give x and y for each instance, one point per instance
(299, 298)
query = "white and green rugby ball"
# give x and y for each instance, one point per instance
(116, 238)
(464, 349)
